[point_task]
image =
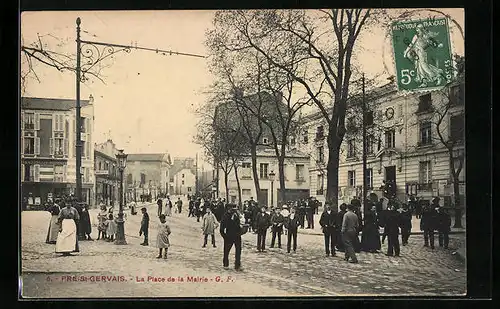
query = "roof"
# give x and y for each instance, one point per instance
(145, 156)
(180, 164)
(269, 151)
(50, 104)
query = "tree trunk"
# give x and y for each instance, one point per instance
(253, 152)
(238, 183)
(226, 183)
(456, 193)
(332, 168)
(281, 170)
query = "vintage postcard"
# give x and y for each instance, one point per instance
(242, 153)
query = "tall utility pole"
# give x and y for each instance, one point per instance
(365, 178)
(78, 121)
(196, 179)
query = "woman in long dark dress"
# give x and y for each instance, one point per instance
(370, 239)
(67, 240)
(53, 225)
(85, 226)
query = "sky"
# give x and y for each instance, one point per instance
(147, 103)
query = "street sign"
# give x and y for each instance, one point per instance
(422, 53)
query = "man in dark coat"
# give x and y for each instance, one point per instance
(197, 209)
(191, 207)
(310, 213)
(144, 226)
(219, 210)
(292, 224)
(444, 227)
(405, 225)
(160, 206)
(277, 221)
(428, 225)
(255, 212)
(263, 222)
(328, 222)
(338, 227)
(78, 207)
(350, 227)
(302, 213)
(392, 223)
(230, 230)
(85, 226)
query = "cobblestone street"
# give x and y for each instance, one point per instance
(419, 271)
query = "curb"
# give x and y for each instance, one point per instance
(361, 233)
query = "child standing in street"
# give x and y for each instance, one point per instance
(162, 241)
(144, 226)
(111, 227)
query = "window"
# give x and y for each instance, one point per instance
(299, 172)
(425, 172)
(264, 167)
(320, 132)
(58, 123)
(292, 140)
(425, 103)
(321, 155)
(143, 179)
(320, 185)
(172, 179)
(457, 127)
(457, 94)
(390, 138)
(425, 133)
(264, 140)
(369, 177)
(351, 148)
(351, 178)
(100, 166)
(305, 137)
(29, 143)
(246, 165)
(82, 122)
(370, 140)
(189, 189)
(182, 175)
(58, 173)
(369, 118)
(84, 153)
(29, 121)
(129, 178)
(58, 144)
(246, 192)
(182, 182)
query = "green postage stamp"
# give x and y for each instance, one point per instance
(422, 53)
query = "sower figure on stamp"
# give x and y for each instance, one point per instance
(230, 230)
(144, 226)
(277, 221)
(263, 222)
(328, 222)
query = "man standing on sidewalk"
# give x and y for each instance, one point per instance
(392, 222)
(405, 224)
(179, 205)
(292, 224)
(144, 226)
(160, 206)
(328, 223)
(444, 227)
(230, 230)
(350, 227)
(263, 222)
(428, 224)
(277, 221)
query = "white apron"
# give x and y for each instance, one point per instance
(67, 238)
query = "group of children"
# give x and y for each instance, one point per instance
(107, 226)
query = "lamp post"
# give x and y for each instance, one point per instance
(120, 235)
(271, 178)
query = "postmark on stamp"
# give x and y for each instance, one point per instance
(422, 54)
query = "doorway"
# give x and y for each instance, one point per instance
(390, 180)
(262, 197)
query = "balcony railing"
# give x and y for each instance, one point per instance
(425, 186)
(29, 126)
(319, 192)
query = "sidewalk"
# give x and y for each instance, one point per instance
(415, 229)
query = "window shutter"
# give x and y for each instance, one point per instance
(65, 173)
(37, 121)
(54, 124)
(88, 145)
(74, 125)
(36, 174)
(37, 145)
(22, 173)
(66, 147)
(22, 133)
(51, 146)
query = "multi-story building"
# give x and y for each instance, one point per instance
(175, 183)
(48, 152)
(146, 174)
(406, 136)
(295, 172)
(184, 182)
(107, 175)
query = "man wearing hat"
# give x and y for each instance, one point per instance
(144, 226)
(328, 223)
(263, 222)
(277, 221)
(230, 230)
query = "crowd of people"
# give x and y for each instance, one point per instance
(70, 223)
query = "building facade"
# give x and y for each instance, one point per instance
(185, 182)
(146, 174)
(296, 178)
(107, 176)
(181, 163)
(405, 142)
(48, 152)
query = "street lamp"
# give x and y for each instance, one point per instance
(120, 236)
(271, 178)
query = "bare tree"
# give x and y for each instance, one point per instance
(292, 38)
